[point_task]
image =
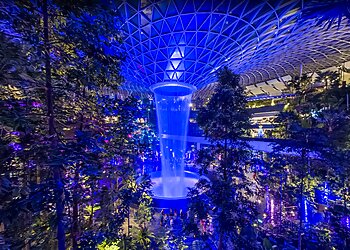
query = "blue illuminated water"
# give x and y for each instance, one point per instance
(173, 108)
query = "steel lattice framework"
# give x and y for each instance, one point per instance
(188, 41)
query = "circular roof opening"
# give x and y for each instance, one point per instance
(172, 89)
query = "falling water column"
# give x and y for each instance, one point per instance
(173, 108)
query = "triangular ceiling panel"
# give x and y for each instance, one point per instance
(156, 14)
(191, 24)
(260, 40)
(178, 26)
(188, 7)
(171, 10)
(158, 26)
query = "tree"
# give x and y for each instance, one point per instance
(68, 51)
(327, 12)
(226, 197)
(17, 135)
(314, 128)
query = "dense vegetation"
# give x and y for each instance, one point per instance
(70, 145)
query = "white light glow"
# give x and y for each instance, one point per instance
(272, 212)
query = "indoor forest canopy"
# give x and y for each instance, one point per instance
(130, 124)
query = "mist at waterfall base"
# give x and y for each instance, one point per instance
(173, 108)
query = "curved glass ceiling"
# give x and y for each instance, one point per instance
(188, 41)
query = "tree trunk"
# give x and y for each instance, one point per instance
(225, 157)
(51, 125)
(75, 216)
(91, 217)
(281, 199)
(61, 237)
(346, 212)
(301, 201)
(49, 94)
(220, 245)
(300, 216)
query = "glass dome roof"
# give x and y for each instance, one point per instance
(188, 41)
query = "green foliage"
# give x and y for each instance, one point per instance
(315, 130)
(326, 12)
(227, 196)
(144, 214)
(109, 246)
(143, 239)
(91, 148)
(217, 118)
